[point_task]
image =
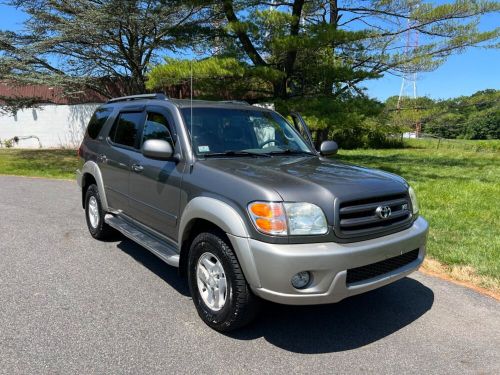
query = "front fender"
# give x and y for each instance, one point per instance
(217, 212)
(229, 220)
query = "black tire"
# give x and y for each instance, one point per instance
(100, 231)
(241, 305)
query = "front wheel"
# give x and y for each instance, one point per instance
(219, 289)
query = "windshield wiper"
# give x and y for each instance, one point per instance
(291, 152)
(235, 153)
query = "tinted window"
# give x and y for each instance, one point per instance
(97, 121)
(126, 128)
(157, 127)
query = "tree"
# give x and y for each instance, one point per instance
(104, 45)
(326, 49)
(335, 45)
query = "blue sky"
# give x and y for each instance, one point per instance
(462, 74)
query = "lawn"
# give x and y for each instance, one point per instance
(459, 194)
(458, 190)
(39, 163)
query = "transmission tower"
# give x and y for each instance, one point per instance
(409, 82)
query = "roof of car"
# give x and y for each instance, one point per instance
(180, 103)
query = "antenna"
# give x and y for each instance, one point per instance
(191, 106)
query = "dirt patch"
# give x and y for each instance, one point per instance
(462, 275)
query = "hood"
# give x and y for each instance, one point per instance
(311, 179)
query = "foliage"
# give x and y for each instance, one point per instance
(11, 105)
(457, 193)
(319, 52)
(469, 117)
(103, 45)
(213, 78)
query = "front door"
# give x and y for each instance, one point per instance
(154, 189)
(122, 143)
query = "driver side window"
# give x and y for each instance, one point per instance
(157, 127)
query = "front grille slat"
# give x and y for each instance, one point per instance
(370, 219)
(371, 206)
(359, 218)
(370, 271)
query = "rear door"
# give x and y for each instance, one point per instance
(155, 184)
(122, 145)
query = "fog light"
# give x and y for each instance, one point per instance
(301, 280)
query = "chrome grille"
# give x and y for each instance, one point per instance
(360, 218)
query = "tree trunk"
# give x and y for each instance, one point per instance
(279, 89)
(334, 18)
(321, 135)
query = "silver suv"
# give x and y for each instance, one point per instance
(241, 202)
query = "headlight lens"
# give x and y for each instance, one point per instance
(414, 201)
(268, 217)
(305, 219)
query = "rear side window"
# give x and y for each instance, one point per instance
(126, 129)
(97, 121)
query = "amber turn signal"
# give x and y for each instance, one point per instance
(268, 217)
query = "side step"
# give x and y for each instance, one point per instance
(161, 249)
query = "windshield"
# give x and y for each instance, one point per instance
(241, 131)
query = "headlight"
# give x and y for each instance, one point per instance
(268, 217)
(305, 219)
(281, 219)
(414, 201)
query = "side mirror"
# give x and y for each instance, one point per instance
(328, 148)
(157, 149)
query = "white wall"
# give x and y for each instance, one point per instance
(55, 125)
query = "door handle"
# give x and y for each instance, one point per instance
(137, 168)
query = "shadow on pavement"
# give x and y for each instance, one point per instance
(155, 265)
(349, 324)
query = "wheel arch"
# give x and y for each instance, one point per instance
(210, 214)
(91, 173)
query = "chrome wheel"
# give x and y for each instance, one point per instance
(93, 212)
(211, 280)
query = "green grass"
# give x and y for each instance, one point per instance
(39, 163)
(459, 194)
(458, 190)
(455, 144)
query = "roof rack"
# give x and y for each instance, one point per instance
(158, 96)
(235, 102)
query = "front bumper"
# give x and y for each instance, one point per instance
(269, 267)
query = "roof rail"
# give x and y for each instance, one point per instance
(159, 96)
(235, 102)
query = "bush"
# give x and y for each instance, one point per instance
(483, 125)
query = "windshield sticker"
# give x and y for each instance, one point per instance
(203, 149)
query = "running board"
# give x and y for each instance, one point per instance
(161, 249)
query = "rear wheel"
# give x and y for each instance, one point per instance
(95, 214)
(219, 289)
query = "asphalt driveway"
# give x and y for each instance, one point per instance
(70, 304)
